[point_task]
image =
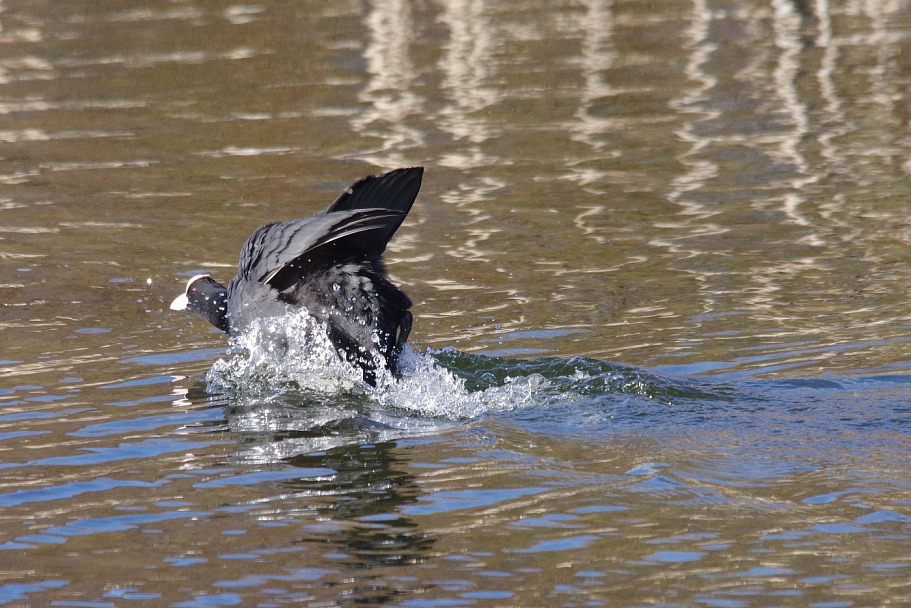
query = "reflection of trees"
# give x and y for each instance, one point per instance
(391, 102)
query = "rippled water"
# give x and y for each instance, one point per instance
(659, 265)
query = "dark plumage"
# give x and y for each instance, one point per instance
(329, 264)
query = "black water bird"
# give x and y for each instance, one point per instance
(328, 264)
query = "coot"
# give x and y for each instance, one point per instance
(328, 264)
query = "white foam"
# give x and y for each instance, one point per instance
(428, 388)
(293, 352)
(287, 351)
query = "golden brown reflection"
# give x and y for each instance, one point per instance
(695, 170)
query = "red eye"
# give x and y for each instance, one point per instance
(193, 291)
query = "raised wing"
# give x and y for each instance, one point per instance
(356, 226)
(395, 190)
(313, 242)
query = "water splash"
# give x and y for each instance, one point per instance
(289, 352)
(291, 355)
(429, 387)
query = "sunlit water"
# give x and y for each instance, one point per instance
(659, 265)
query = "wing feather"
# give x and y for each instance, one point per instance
(356, 226)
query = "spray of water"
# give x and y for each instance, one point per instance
(293, 353)
(290, 358)
(277, 353)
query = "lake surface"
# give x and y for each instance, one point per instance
(660, 272)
